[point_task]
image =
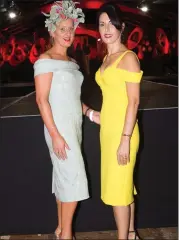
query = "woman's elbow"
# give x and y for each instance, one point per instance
(134, 103)
(137, 102)
(40, 100)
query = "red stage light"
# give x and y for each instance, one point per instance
(134, 38)
(147, 43)
(149, 49)
(162, 40)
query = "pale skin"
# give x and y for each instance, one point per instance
(124, 215)
(63, 38)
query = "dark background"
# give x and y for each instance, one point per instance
(22, 40)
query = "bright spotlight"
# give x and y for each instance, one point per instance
(12, 14)
(144, 9)
(13, 11)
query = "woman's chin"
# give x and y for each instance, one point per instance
(67, 43)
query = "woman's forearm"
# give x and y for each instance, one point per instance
(84, 108)
(93, 115)
(130, 119)
(46, 114)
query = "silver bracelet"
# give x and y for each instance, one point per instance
(91, 115)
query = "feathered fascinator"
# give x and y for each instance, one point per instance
(62, 10)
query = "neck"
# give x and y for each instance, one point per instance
(60, 50)
(115, 47)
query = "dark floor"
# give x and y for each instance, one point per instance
(148, 233)
(153, 96)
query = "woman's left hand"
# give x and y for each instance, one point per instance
(123, 152)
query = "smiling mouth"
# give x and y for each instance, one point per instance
(66, 40)
(107, 35)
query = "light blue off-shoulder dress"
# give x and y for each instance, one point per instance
(69, 181)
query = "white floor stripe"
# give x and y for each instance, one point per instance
(165, 84)
(38, 115)
(21, 116)
(16, 101)
(149, 109)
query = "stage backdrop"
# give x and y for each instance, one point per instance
(155, 46)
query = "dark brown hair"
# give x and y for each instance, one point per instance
(114, 13)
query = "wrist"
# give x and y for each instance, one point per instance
(55, 134)
(87, 112)
(126, 137)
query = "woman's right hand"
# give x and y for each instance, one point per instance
(60, 146)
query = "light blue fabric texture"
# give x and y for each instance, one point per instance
(69, 181)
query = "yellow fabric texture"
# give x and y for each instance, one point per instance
(117, 187)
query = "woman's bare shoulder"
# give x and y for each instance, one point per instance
(131, 62)
(45, 55)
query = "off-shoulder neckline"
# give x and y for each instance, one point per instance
(125, 70)
(120, 69)
(51, 59)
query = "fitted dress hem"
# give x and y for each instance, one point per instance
(110, 203)
(71, 200)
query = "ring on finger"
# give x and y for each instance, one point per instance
(58, 153)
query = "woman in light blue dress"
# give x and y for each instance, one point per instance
(58, 88)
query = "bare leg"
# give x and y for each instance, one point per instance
(68, 209)
(59, 211)
(131, 227)
(132, 209)
(122, 218)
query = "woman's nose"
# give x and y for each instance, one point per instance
(107, 28)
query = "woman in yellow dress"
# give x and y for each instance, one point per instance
(119, 79)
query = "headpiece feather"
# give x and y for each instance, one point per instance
(62, 10)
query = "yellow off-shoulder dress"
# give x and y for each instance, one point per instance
(117, 187)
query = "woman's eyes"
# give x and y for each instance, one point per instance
(102, 24)
(62, 29)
